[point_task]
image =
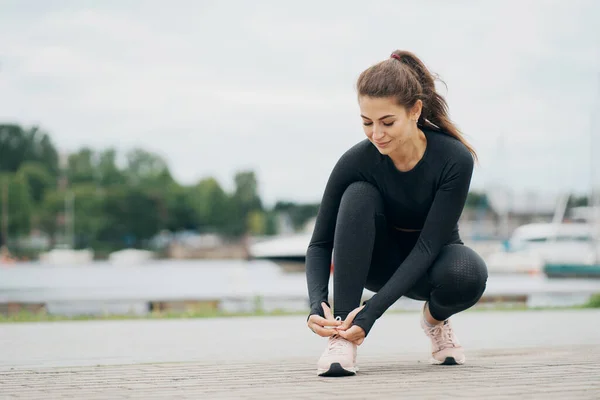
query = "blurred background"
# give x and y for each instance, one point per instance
(169, 159)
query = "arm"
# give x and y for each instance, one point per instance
(318, 255)
(443, 216)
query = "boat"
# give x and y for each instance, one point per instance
(67, 257)
(130, 257)
(589, 267)
(572, 270)
(290, 248)
(533, 246)
(587, 263)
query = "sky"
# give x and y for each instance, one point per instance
(220, 86)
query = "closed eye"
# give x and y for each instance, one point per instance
(371, 123)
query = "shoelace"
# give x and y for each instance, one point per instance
(442, 335)
(337, 345)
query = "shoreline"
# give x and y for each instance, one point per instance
(27, 317)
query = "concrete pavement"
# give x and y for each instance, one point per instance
(530, 354)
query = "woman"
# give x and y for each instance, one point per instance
(390, 215)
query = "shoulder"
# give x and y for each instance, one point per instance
(449, 150)
(361, 154)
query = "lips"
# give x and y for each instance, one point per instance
(381, 144)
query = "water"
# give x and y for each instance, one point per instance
(234, 284)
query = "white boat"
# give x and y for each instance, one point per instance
(67, 257)
(130, 257)
(531, 246)
(291, 248)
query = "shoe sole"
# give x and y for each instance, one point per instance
(448, 361)
(336, 370)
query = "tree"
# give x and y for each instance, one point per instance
(246, 191)
(38, 179)
(244, 201)
(270, 223)
(578, 201)
(300, 214)
(131, 216)
(146, 168)
(88, 209)
(257, 222)
(18, 145)
(19, 203)
(82, 167)
(49, 213)
(211, 205)
(180, 210)
(108, 172)
(476, 200)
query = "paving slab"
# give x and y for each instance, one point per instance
(524, 355)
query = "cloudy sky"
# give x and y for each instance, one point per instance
(218, 86)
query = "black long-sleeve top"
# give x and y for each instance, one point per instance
(430, 197)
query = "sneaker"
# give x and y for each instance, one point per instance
(445, 348)
(338, 359)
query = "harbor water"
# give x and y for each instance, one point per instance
(233, 285)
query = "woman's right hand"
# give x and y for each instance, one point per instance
(324, 326)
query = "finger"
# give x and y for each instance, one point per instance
(323, 322)
(344, 326)
(327, 311)
(360, 333)
(343, 334)
(349, 336)
(350, 318)
(324, 332)
(354, 334)
(354, 312)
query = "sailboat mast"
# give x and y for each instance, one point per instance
(594, 200)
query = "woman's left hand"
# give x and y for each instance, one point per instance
(352, 333)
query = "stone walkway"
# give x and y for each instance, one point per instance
(524, 355)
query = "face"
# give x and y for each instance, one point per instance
(388, 125)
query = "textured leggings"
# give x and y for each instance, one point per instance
(366, 254)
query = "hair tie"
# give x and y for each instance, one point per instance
(397, 57)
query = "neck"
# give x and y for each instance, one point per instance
(410, 153)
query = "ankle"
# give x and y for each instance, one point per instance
(428, 324)
(428, 318)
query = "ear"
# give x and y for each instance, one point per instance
(415, 111)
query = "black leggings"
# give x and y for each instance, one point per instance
(366, 255)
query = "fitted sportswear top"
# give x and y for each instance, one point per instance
(430, 197)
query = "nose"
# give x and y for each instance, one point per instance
(377, 132)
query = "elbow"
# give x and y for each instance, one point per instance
(319, 245)
(427, 249)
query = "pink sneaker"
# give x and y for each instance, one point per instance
(338, 359)
(445, 348)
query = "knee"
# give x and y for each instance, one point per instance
(361, 199)
(461, 272)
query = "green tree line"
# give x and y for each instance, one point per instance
(118, 204)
